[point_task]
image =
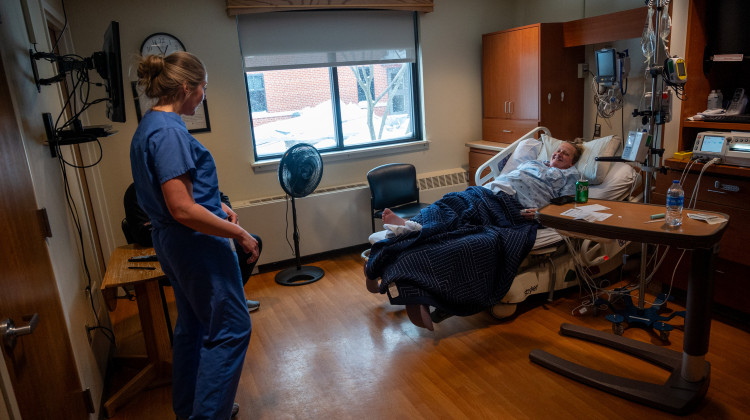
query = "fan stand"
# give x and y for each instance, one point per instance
(299, 275)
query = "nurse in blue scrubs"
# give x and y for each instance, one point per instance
(177, 186)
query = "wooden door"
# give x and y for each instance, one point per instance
(523, 73)
(41, 367)
(495, 82)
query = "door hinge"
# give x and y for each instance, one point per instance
(44, 223)
(88, 401)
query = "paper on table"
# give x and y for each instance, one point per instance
(708, 218)
(592, 207)
(589, 216)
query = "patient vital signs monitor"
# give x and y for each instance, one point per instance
(733, 148)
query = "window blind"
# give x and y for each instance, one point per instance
(277, 41)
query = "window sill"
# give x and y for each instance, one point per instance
(329, 157)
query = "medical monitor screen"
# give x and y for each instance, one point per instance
(712, 144)
(681, 69)
(605, 66)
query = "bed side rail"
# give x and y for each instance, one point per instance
(493, 162)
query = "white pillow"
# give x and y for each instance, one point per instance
(525, 151)
(617, 184)
(593, 171)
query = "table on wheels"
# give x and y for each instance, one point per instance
(145, 280)
(690, 372)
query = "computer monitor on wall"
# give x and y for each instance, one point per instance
(108, 64)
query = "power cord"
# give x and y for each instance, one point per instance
(694, 195)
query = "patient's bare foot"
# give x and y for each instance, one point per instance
(391, 218)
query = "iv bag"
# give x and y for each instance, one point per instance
(648, 38)
(665, 26)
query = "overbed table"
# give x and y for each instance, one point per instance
(690, 372)
(158, 370)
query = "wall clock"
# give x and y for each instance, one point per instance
(161, 43)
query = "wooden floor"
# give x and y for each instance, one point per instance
(332, 350)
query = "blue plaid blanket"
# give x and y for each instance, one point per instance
(463, 260)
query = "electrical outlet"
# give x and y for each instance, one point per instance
(597, 130)
(582, 69)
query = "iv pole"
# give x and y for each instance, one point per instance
(655, 131)
(657, 118)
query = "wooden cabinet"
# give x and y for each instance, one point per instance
(529, 79)
(724, 189)
(705, 75)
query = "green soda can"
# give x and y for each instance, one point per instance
(582, 191)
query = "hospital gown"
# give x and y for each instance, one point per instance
(534, 183)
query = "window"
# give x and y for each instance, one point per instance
(337, 80)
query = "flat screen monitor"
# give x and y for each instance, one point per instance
(108, 63)
(606, 67)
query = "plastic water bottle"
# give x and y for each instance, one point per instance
(714, 99)
(675, 200)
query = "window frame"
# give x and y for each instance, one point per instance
(379, 147)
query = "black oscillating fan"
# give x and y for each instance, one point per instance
(300, 171)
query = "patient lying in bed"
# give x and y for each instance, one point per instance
(467, 246)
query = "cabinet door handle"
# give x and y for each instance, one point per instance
(562, 96)
(510, 107)
(507, 131)
(549, 99)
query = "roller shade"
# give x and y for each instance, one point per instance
(275, 41)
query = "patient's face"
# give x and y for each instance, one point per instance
(563, 156)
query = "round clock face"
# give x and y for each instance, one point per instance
(162, 44)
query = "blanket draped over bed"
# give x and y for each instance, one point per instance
(463, 260)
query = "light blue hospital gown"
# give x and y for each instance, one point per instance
(534, 183)
(213, 326)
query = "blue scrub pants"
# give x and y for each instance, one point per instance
(213, 328)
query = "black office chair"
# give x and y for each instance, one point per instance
(394, 186)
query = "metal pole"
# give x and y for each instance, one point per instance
(655, 104)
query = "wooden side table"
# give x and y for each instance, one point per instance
(690, 372)
(158, 370)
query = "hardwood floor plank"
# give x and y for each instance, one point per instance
(332, 350)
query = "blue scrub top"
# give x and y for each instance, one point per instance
(163, 149)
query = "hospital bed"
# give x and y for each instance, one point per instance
(551, 266)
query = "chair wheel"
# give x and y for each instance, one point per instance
(618, 328)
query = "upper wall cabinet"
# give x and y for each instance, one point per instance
(529, 79)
